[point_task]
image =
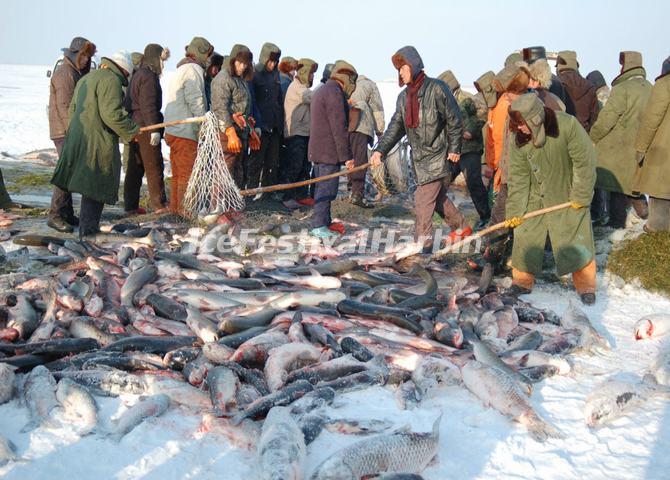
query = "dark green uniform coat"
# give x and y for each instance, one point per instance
(615, 129)
(91, 162)
(563, 170)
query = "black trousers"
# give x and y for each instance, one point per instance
(262, 166)
(498, 241)
(471, 166)
(144, 158)
(297, 167)
(359, 148)
(61, 201)
(89, 216)
(324, 194)
(618, 209)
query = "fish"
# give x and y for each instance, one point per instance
(280, 398)
(149, 407)
(216, 352)
(223, 385)
(311, 426)
(316, 399)
(204, 328)
(533, 358)
(78, 404)
(433, 371)
(319, 334)
(314, 280)
(286, 358)
(109, 382)
(240, 323)
(577, 319)
(244, 436)
(651, 326)
(330, 267)
(498, 390)
(307, 298)
(179, 392)
(166, 307)
(356, 349)
(281, 449)
(236, 339)
(528, 341)
(176, 359)
(356, 427)
(328, 370)
(402, 318)
(196, 370)
(400, 451)
(204, 300)
(255, 350)
(39, 392)
(484, 355)
(7, 383)
(356, 381)
(150, 344)
(539, 372)
(22, 317)
(253, 377)
(448, 332)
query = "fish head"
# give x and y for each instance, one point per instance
(644, 329)
(595, 415)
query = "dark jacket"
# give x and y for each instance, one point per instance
(230, 94)
(473, 125)
(583, 96)
(144, 98)
(440, 130)
(91, 162)
(267, 93)
(329, 136)
(557, 89)
(61, 89)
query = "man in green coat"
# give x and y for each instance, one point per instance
(91, 162)
(614, 133)
(653, 139)
(552, 161)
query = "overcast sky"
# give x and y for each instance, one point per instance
(468, 37)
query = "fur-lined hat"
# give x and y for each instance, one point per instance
(630, 60)
(241, 53)
(346, 74)
(305, 67)
(540, 71)
(513, 79)
(79, 47)
(449, 78)
(199, 49)
(287, 65)
(513, 58)
(269, 51)
(567, 60)
(408, 56)
(484, 85)
(528, 109)
(154, 57)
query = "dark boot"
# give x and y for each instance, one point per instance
(588, 298)
(360, 201)
(60, 225)
(640, 206)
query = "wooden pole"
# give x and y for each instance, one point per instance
(498, 226)
(157, 126)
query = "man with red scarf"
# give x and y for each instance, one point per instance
(427, 112)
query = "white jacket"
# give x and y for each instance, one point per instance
(185, 98)
(296, 109)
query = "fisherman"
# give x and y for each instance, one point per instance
(231, 103)
(76, 64)
(530, 55)
(143, 102)
(185, 98)
(580, 90)
(651, 145)
(552, 161)
(212, 69)
(366, 118)
(287, 68)
(91, 162)
(435, 144)
(329, 142)
(614, 136)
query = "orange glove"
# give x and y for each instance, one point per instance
(239, 120)
(254, 141)
(251, 121)
(234, 143)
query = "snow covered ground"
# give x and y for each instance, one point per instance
(475, 442)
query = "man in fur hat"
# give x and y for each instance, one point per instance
(144, 100)
(552, 161)
(76, 64)
(287, 67)
(547, 80)
(435, 143)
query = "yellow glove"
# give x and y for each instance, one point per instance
(513, 222)
(576, 205)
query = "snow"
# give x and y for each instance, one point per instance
(475, 442)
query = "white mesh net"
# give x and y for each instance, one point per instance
(394, 175)
(211, 189)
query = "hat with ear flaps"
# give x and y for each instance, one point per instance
(347, 75)
(408, 56)
(79, 47)
(304, 67)
(241, 53)
(200, 49)
(513, 78)
(513, 58)
(154, 56)
(567, 60)
(484, 85)
(287, 64)
(630, 60)
(449, 78)
(529, 109)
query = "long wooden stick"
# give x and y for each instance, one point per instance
(288, 186)
(157, 126)
(498, 226)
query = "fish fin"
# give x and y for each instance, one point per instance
(313, 271)
(436, 424)
(540, 429)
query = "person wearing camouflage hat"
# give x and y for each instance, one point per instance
(552, 161)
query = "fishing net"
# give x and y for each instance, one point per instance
(394, 176)
(211, 188)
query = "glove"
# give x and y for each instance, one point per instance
(254, 140)
(234, 143)
(155, 139)
(251, 121)
(513, 222)
(239, 120)
(576, 205)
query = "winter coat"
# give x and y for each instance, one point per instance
(583, 96)
(562, 170)
(496, 140)
(557, 89)
(368, 100)
(329, 137)
(230, 94)
(550, 100)
(61, 89)
(440, 131)
(297, 109)
(185, 98)
(267, 93)
(144, 98)
(471, 123)
(615, 130)
(284, 81)
(653, 139)
(91, 163)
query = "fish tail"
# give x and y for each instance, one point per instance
(540, 429)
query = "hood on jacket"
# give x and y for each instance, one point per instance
(408, 56)
(78, 49)
(327, 70)
(154, 57)
(513, 58)
(241, 53)
(567, 60)
(199, 49)
(449, 78)
(269, 51)
(665, 68)
(529, 110)
(304, 67)
(513, 78)
(540, 71)
(136, 58)
(346, 75)
(597, 79)
(628, 74)
(630, 60)
(484, 85)
(533, 54)
(287, 65)
(116, 64)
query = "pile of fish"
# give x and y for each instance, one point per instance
(272, 339)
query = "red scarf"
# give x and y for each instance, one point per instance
(412, 106)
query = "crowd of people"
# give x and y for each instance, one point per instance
(527, 140)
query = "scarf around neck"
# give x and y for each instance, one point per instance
(412, 106)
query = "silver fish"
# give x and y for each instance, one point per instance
(435, 370)
(281, 448)
(202, 327)
(135, 281)
(145, 408)
(7, 383)
(79, 405)
(39, 391)
(285, 358)
(223, 385)
(577, 319)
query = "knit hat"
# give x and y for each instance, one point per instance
(304, 67)
(513, 58)
(597, 79)
(532, 54)
(630, 60)
(529, 109)
(346, 74)
(200, 49)
(567, 60)
(408, 56)
(449, 78)
(513, 79)
(122, 59)
(484, 85)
